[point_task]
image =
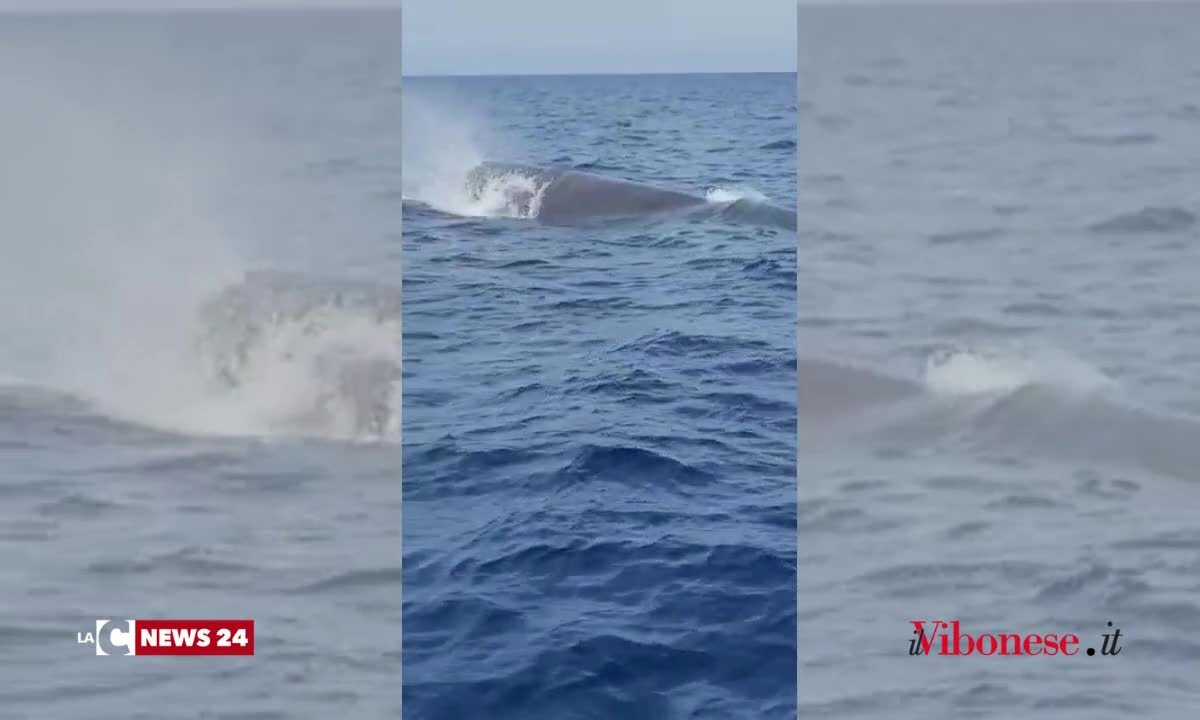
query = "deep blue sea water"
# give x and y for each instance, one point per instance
(599, 416)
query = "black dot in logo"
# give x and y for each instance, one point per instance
(1091, 651)
(1110, 623)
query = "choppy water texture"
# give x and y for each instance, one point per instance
(998, 310)
(200, 359)
(599, 407)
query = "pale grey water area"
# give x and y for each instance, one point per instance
(199, 356)
(998, 328)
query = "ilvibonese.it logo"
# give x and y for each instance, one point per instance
(171, 637)
(939, 637)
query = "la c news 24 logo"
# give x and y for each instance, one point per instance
(171, 637)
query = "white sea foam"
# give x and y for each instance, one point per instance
(329, 372)
(508, 194)
(733, 194)
(978, 371)
(443, 143)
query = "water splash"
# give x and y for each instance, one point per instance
(442, 143)
(734, 194)
(981, 371)
(118, 240)
(323, 367)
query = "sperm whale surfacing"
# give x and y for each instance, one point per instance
(566, 196)
(560, 196)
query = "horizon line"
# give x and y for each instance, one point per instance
(337, 7)
(184, 10)
(599, 73)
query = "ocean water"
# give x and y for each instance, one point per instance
(200, 359)
(998, 309)
(599, 397)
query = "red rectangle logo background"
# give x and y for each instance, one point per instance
(219, 636)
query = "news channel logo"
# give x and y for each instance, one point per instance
(112, 637)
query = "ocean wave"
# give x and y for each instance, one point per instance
(974, 235)
(674, 342)
(975, 371)
(1045, 404)
(731, 195)
(1153, 219)
(306, 356)
(358, 579)
(631, 466)
(779, 145)
(1116, 139)
(604, 674)
(449, 459)
(275, 355)
(634, 384)
(697, 647)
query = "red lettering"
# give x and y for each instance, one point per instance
(958, 638)
(956, 642)
(992, 645)
(1051, 641)
(926, 639)
(1069, 640)
(1002, 643)
(1035, 640)
(922, 637)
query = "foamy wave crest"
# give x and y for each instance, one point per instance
(734, 194)
(333, 375)
(268, 357)
(481, 191)
(510, 194)
(959, 371)
(283, 356)
(1008, 403)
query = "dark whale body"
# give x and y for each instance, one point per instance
(566, 197)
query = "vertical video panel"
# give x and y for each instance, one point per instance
(997, 318)
(199, 363)
(599, 383)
